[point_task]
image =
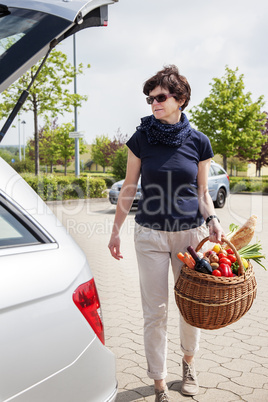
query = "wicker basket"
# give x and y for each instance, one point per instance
(210, 302)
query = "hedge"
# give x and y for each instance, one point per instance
(249, 184)
(51, 187)
(109, 180)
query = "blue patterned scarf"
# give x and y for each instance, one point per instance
(172, 135)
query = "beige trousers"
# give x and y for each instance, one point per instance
(155, 250)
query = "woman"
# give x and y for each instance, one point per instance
(173, 160)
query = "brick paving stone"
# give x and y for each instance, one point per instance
(134, 347)
(129, 396)
(225, 372)
(236, 388)
(126, 379)
(229, 352)
(135, 370)
(251, 331)
(210, 380)
(205, 365)
(214, 357)
(241, 365)
(222, 340)
(258, 395)
(114, 341)
(134, 357)
(217, 395)
(251, 380)
(246, 346)
(236, 336)
(123, 364)
(208, 345)
(262, 352)
(262, 340)
(261, 370)
(255, 358)
(120, 352)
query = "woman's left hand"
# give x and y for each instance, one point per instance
(215, 231)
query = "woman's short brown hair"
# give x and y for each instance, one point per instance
(169, 78)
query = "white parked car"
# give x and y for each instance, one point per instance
(51, 330)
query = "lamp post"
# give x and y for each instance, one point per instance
(19, 137)
(23, 122)
(77, 164)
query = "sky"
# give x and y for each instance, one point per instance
(200, 37)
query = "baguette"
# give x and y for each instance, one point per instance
(244, 235)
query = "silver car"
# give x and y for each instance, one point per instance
(52, 336)
(218, 186)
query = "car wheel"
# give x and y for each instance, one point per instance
(221, 198)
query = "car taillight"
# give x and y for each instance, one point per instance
(87, 300)
(228, 177)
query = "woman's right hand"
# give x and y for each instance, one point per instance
(114, 247)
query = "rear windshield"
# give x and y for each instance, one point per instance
(15, 25)
(23, 33)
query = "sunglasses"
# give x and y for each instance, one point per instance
(159, 98)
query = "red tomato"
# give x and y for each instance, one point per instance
(222, 255)
(232, 258)
(230, 251)
(225, 260)
(216, 272)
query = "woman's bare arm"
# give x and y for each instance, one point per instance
(124, 203)
(206, 206)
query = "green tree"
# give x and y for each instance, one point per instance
(119, 162)
(104, 150)
(50, 92)
(66, 145)
(262, 158)
(48, 145)
(230, 119)
(56, 147)
(235, 165)
(100, 151)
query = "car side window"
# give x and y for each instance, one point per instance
(211, 172)
(15, 230)
(218, 170)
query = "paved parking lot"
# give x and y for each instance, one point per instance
(232, 363)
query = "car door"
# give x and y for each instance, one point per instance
(212, 183)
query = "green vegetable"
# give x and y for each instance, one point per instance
(252, 252)
(235, 268)
(232, 229)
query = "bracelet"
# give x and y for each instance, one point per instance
(211, 217)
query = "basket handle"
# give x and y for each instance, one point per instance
(241, 270)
